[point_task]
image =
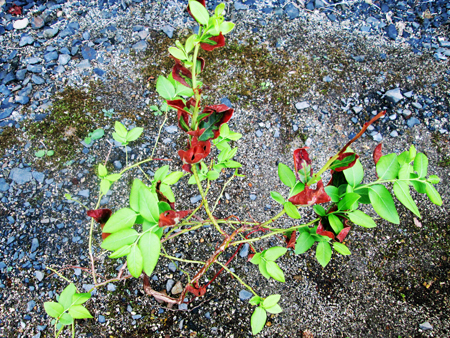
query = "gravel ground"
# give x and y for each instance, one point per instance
(296, 73)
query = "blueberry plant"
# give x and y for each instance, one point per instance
(141, 230)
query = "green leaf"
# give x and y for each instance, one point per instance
(134, 194)
(120, 129)
(123, 251)
(173, 178)
(348, 202)
(104, 186)
(39, 153)
(274, 309)
(102, 170)
(274, 253)
(165, 88)
(258, 320)
(121, 219)
(134, 134)
(383, 203)
(87, 140)
(298, 188)
(232, 164)
(323, 253)
(161, 173)
(148, 205)
(277, 197)
(226, 27)
(286, 175)
(213, 175)
(421, 165)
(341, 248)
(355, 174)
(333, 192)
(304, 242)
(199, 12)
(97, 134)
(209, 124)
(387, 167)
(362, 219)
(189, 45)
(404, 158)
(335, 223)
(263, 269)
(150, 246)
(167, 191)
(274, 271)
(79, 312)
(113, 177)
(433, 179)
(271, 301)
(66, 319)
(65, 298)
(256, 258)
(343, 163)
(418, 185)
(135, 262)
(53, 309)
(291, 210)
(183, 91)
(405, 171)
(401, 190)
(80, 298)
(50, 153)
(119, 239)
(255, 300)
(432, 194)
(119, 138)
(412, 153)
(219, 9)
(177, 53)
(319, 210)
(163, 207)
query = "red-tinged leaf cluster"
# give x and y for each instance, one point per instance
(324, 228)
(218, 41)
(180, 73)
(203, 2)
(311, 196)
(377, 153)
(101, 216)
(290, 241)
(196, 290)
(301, 159)
(15, 10)
(170, 218)
(197, 150)
(343, 156)
(222, 109)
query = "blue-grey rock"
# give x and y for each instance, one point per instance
(392, 32)
(84, 64)
(2, 265)
(30, 305)
(63, 59)
(20, 176)
(66, 32)
(394, 95)
(301, 105)
(411, 122)
(11, 76)
(196, 199)
(276, 134)
(259, 133)
(34, 245)
(20, 74)
(111, 287)
(86, 35)
(416, 105)
(245, 295)
(38, 176)
(327, 79)
(4, 90)
(169, 285)
(37, 22)
(4, 186)
(117, 165)
(226, 101)
(35, 68)
(359, 58)
(39, 275)
(51, 56)
(239, 6)
(88, 53)
(172, 267)
(50, 32)
(207, 315)
(59, 70)
(136, 316)
(32, 60)
(101, 319)
(140, 46)
(22, 99)
(318, 4)
(25, 40)
(182, 306)
(292, 12)
(168, 30)
(394, 133)
(252, 197)
(171, 129)
(37, 79)
(425, 326)
(84, 193)
(99, 72)
(244, 250)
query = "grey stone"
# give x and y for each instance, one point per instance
(20, 74)
(37, 79)
(34, 68)
(34, 245)
(416, 105)
(252, 197)
(171, 129)
(327, 79)
(84, 193)
(394, 133)
(21, 24)
(37, 22)
(196, 199)
(4, 186)
(111, 287)
(117, 165)
(25, 40)
(169, 285)
(168, 30)
(259, 133)
(408, 94)
(291, 11)
(239, 6)
(172, 267)
(20, 176)
(302, 105)
(140, 46)
(177, 289)
(392, 32)
(412, 122)
(84, 64)
(245, 295)
(377, 137)
(30, 305)
(39, 275)
(50, 32)
(88, 53)
(244, 250)
(60, 69)
(51, 56)
(22, 99)
(101, 319)
(426, 326)
(394, 95)
(64, 59)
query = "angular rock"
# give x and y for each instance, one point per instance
(177, 289)
(64, 59)
(88, 53)
(394, 95)
(245, 295)
(20, 24)
(292, 12)
(168, 30)
(20, 176)
(140, 46)
(50, 32)
(25, 40)
(426, 326)
(391, 32)
(37, 22)
(301, 105)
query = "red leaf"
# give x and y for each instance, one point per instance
(196, 290)
(343, 156)
(187, 168)
(169, 218)
(220, 42)
(377, 153)
(196, 133)
(177, 104)
(301, 158)
(183, 116)
(180, 73)
(100, 215)
(344, 232)
(250, 256)
(226, 112)
(202, 64)
(310, 197)
(189, 11)
(198, 151)
(291, 241)
(15, 10)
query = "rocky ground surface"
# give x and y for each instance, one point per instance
(297, 73)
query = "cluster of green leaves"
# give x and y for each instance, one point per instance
(94, 135)
(108, 112)
(106, 180)
(259, 316)
(124, 136)
(42, 153)
(266, 262)
(213, 25)
(68, 307)
(157, 111)
(170, 89)
(141, 248)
